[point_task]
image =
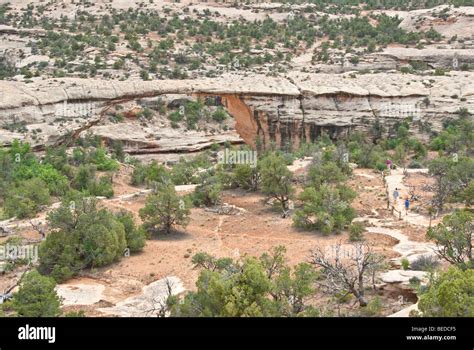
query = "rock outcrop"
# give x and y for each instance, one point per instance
(457, 21)
(284, 110)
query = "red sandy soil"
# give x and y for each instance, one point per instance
(253, 232)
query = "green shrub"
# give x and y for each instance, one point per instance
(276, 179)
(328, 172)
(184, 172)
(26, 199)
(85, 181)
(101, 188)
(449, 294)
(150, 174)
(36, 296)
(265, 286)
(102, 161)
(56, 156)
(326, 209)
(247, 177)
(163, 210)
(176, 116)
(219, 115)
(81, 236)
(405, 263)
(134, 236)
(373, 308)
(54, 180)
(414, 164)
(208, 192)
(146, 113)
(356, 231)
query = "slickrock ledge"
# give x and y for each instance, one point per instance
(285, 109)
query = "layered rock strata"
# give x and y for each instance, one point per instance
(284, 110)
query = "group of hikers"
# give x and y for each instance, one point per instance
(396, 194)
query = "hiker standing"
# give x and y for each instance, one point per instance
(407, 205)
(395, 195)
(389, 164)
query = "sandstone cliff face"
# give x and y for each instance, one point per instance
(284, 110)
(337, 104)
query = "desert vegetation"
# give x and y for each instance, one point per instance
(308, 159)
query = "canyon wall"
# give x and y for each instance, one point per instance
(284, 110)
(338, 104)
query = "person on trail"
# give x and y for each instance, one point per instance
(407, 205)
(395, 194)
(389, 164)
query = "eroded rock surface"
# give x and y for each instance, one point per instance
(148, 303)
(285, 110)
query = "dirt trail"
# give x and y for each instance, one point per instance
(408, 249)
(395, 180)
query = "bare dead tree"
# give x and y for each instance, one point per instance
(4, 231)
(38, 228)
(347, 270)
(378, 265)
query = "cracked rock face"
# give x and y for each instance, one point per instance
(284, 110)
